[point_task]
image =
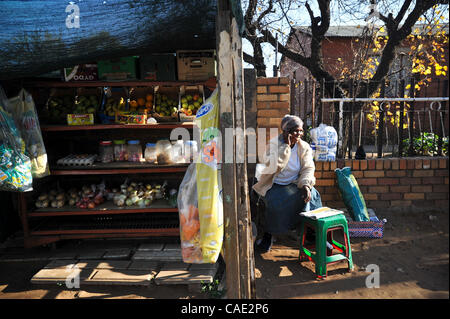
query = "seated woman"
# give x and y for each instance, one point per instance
(287, 180)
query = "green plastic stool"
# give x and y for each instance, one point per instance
(323, 256)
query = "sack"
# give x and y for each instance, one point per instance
(200, 207)
(25, 116)
(323, 143)
(351, 194)
(15, 166)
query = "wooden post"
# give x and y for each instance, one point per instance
(238, 244)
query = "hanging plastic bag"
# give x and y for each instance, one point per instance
(25, 117)
(324, 143)
(15, 166)
(199, 197)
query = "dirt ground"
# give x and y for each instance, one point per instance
(412, 258)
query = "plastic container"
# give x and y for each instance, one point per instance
(150, 153)
(106, 152)
(134, 151)
(178, 151)
(164, 152)
(120, 150)
(190, 151)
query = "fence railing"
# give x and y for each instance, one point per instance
(399, 123)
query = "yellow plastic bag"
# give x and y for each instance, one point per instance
(199, 198)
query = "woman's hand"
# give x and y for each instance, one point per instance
(306, 194)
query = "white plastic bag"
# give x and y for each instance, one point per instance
(24, 113)
(324, 143)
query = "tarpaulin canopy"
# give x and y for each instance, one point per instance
(41, 36)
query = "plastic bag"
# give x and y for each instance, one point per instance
(199, 196)
(25, 117)
(324, 143)
(15, 166)
(351, 194)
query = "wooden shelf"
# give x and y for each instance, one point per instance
(142, 83)
(117, 168)
(158, 126)
(107, 208)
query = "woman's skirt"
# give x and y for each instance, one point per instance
(284, 204)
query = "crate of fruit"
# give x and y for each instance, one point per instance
(191, 99)
(59, 104)
(86, 106)
(165, 103)
(114, 99)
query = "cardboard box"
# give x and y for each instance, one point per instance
(196, 65)
(190, 90)
(158, 67)
(81, 72)
(118, 69)
(127, 117)
(80, 119)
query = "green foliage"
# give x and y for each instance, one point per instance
(426, 144)
(212, 289)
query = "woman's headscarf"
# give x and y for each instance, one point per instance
(290, 122)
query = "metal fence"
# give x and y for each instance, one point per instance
(401, 121)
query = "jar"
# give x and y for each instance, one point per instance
(106, 152)
(120, 150)
(134, 151)
(150, 153)
(190, 151)
(164, 152)
(178, 152)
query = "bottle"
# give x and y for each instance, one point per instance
(150, 153)
(190, 151)
(106, 152)
(164, 152)
(178, 151)
(120, 151)
(134, 151)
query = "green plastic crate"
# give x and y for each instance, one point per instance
(117, 69)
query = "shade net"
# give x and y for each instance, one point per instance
(37, 36)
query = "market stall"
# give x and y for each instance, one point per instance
(107, 93)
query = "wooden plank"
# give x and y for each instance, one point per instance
(151, 247)
(120, 277)
(238, 249)
(157, 255)
(117, 254)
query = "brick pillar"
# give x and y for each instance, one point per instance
(272, 102)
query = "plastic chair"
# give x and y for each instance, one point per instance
(323, 256)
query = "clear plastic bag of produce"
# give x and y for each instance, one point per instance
(15, 166)
(26, 119)
(199, 196)
(323, 143)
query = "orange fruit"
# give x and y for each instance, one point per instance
(149, 97)
(133, 104)
(148, 104)
(141, 101)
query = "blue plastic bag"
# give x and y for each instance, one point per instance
(351, 194)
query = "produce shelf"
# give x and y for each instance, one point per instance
(118, 224)
(106, 208)
(157, 126)
(117, 168)
(142, 83)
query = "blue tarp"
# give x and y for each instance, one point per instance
(41, 36)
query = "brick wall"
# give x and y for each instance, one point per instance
(390, 184)
(272, 102)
